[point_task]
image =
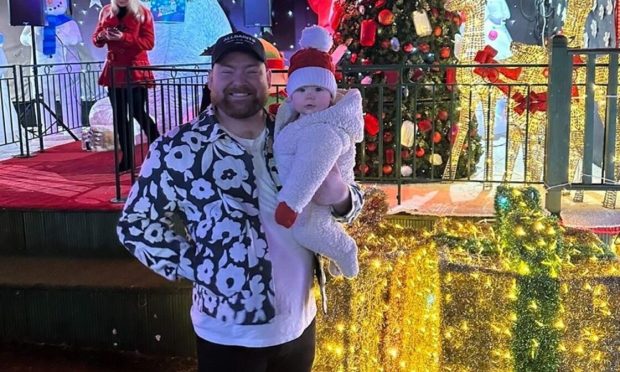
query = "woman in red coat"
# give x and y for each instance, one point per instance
(126, 27)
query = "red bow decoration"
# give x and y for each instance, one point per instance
(492, 74)
(534, 102)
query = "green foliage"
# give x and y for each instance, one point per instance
(408, 82)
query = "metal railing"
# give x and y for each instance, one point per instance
(43, 100)
(582, 131)
(494, 134)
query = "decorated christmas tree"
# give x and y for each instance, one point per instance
(419, 109)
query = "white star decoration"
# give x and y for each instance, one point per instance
(95, 3)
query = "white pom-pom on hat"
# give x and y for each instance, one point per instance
(316, 37)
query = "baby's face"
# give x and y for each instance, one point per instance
(310, 99)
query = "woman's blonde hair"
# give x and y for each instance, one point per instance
(134, 7)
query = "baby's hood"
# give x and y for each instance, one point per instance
(346, 113)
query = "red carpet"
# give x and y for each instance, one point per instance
(62, 178)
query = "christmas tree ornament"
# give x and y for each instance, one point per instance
(408, 47)
(391, 77)
(367, 80)
(406, 171)
(424, 47)
(436, 160)
(380, 3)
(425, 125)
(445, 52)
(416, 74)
(387, 169)
(364, 169)
(434, 12)
(421, 23)
(405, 91)
(388, 137)
(407, 133)
(353, 58)
(371, 146)
(437, 31)
(395, 44)
(337, 54)
(385, 44)
(437, 137)
(361, 9)
(405, 154)
(371, 124)
(385, 17)
(419, 152)
(368, 32)
(389, 156)
(442, 115)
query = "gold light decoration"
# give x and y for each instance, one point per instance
(445, 300)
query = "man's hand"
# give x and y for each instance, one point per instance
(285, 216)
(334, 192)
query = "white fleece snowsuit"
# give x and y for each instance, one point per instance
(306, 149)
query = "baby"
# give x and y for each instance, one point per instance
(316, 131)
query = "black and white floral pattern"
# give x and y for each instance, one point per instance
(199, 173)
(203, 175)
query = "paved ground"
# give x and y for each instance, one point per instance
(39, 358)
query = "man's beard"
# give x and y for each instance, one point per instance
(239, 110)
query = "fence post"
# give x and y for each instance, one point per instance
(558, 123)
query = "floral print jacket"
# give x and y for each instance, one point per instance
(199, 174)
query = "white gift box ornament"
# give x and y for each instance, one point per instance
(407, 133)
(421, 23)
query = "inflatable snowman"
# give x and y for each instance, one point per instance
(9, 128)
(57, 43)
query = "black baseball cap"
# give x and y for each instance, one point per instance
(236, 42)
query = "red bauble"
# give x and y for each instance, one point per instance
(424, 48)
(389, 156)
(425, 125)
(364, 169)
(437, 31)
(371, 146)
(368, 32)
(445, 52)
(385, 44)
(436, 137)
(385, 17)
(407, 47)
(388, 137)
(442, 115)
(387, 169)
(353, 57)
(371, 124)
(419, 152)
(379, 3)
(405, 154)
(434, 12)
(418, 115)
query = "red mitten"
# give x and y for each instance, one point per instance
(285, 216)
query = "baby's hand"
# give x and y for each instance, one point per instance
(285, 216)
